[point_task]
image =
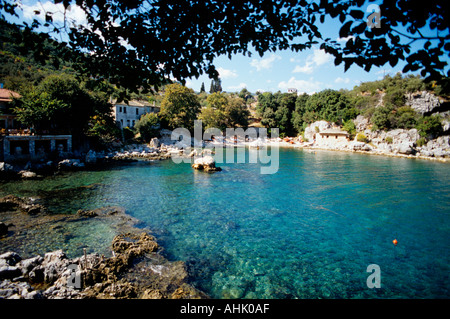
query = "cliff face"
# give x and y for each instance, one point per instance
(424, 102)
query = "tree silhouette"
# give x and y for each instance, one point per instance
(140, 44)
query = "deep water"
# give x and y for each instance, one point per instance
(308, 231)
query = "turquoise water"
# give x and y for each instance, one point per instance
(308, 231)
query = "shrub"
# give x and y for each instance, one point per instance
(380, 118)
(389, 140)
(350, 128)
(128, 133)
(421, 141)
(405, 118)
(148, 126)
(429, 125)
(361, 138)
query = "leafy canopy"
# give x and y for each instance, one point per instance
(179, 107)
(142, 43)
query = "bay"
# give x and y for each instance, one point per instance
(308, 231)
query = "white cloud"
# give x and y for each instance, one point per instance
(307, 68)
(320, 57)
(74, 14)
(266, 63)
(317, 58)
(237, 87)
(303, 86)
(345, 39)
(342, 80)
(227, 74)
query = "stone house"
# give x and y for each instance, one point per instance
(127, 114)
(331, 138)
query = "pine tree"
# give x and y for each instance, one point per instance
(216, 86)
(219, 85)
(202, 89)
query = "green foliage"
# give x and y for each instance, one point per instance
(328, 105)
(297, 115)
(381, 118)
(277, 110)
(216, 86)
(393, 85)
(421, 142)
(429, 126)
(360, 137)
(60, 105)
(350, 128)
(186, 36)
(224, 111)
(405, 118)
(442, 87)
(179, 107)
(128, 133)
(389, 140)
(394, 96)
(148, 126)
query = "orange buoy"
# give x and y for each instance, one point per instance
(395, 242)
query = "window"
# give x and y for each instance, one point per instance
(128, 123)
(137, 111)
(124, 109)
(133, 122)
(120, 109)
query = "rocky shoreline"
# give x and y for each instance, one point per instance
(135, 270)
(402, 143)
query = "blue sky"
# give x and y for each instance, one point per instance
(309, 71)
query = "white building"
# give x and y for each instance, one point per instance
(332, 138)
(127, 114)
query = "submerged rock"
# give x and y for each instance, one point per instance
(136, 269)
(26, 205)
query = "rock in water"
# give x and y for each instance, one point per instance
(206, 163)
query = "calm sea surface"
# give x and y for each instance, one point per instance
(308, 231)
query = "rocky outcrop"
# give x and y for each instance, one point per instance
(25, 205)
(400, 142)
(136, 268)
(314, 128)
(439, 147)
(94, 276)
(70, 164)
(206, 163)
(423, 102)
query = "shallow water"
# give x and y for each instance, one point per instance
(308, 231)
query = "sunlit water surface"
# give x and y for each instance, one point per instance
(308, 231)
